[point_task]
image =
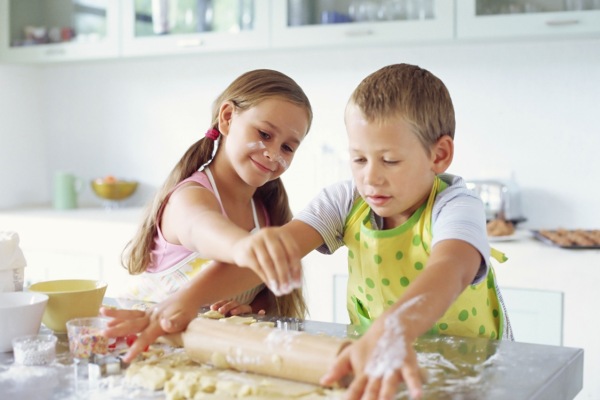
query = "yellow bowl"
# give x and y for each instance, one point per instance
(117, 190)
(68, 299)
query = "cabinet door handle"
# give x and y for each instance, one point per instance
(562, 22)
(56, 52)
(359, 32)
(190, 43)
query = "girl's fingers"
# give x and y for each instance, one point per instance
(241, 309)
(218, 304)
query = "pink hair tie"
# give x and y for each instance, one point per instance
(212, 134)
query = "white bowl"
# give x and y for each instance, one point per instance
(20, 314)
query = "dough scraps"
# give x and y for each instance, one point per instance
(236, 319)
(181, 378)
(212, 314)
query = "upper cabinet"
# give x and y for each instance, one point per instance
(58, 30)
(65, 30)
(349, 22)
(154, 27)
(526, 18)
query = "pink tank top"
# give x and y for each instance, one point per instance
(164, 254)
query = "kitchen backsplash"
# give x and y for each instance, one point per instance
(526, 108)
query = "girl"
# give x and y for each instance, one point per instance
(210, 202)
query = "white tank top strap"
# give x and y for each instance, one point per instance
(216, 190)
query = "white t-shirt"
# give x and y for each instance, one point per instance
(458, 213)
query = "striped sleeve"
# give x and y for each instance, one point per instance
(327, 214)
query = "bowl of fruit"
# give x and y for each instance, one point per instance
(113, 190)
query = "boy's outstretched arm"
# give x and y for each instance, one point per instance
(385, 356)
(274, 254)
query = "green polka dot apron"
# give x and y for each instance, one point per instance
(383, 263)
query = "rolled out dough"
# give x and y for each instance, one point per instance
(181, 378)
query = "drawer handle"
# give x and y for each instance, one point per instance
(361, 32)
(56, 52)
(562, 22)
(190, 43)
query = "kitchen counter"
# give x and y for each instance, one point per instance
(463, 368)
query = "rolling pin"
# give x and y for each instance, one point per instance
(293, 355)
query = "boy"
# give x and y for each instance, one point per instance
(418, 255)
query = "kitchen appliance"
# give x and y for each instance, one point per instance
(501, 198)
(294, 355)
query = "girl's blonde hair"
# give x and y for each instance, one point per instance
(412, 93)
(245, 92)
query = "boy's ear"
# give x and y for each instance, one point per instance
(442, 154)
(225, 113)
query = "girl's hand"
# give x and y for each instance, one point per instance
(170, 316)
(131, 322)
(231, 307)
(362, 359)
(274, 256)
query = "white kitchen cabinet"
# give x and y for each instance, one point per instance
(487, 19)
(58, 30)
(83, 243)
(307, 23)
(193, 26)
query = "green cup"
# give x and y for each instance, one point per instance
(66, 188)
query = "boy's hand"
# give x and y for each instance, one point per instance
(365, 385)
(274, 256)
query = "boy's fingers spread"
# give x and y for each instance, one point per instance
(389, 386)
(338, 370)
(356, 389)
(372, 389)
(412, 377)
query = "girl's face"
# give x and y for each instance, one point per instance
(392, 170)
(262, 140)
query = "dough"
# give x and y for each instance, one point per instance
(236, 319)
(181, 378)
(263, 324)
(212, 314)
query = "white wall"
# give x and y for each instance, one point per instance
(22, 139)
(526, 107)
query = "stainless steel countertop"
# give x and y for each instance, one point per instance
(458, 368)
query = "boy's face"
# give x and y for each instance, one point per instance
(392, 170)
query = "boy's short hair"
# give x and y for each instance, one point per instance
(410, 92)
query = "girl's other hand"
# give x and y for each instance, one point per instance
(125, 323)
(231, 307)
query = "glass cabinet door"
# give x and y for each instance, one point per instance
(326, 22)
(175, 26)
(520, 18)
(40, 30)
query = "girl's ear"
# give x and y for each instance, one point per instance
(442, 154)
(225, 114)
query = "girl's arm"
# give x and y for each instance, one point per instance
(193, 218)
(214, 282)
(384, 356)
